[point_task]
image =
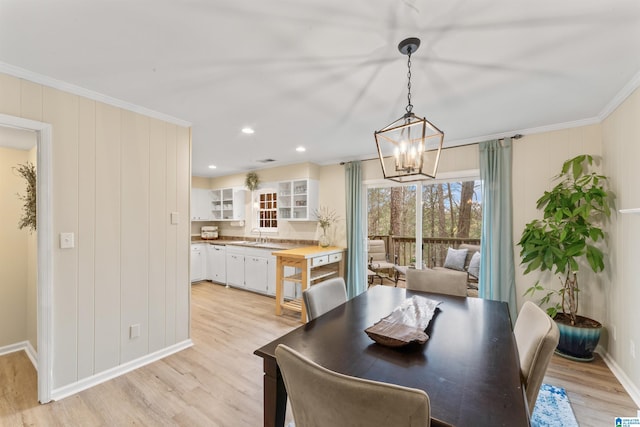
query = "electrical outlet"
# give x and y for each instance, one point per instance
(614, 332)
(632, 348)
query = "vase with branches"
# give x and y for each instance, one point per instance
(326, 218)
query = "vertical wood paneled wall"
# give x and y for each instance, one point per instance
(117, 176)
(621, 147)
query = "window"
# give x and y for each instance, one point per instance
(268, 211)
(451, 214)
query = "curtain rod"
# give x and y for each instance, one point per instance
(516, 136)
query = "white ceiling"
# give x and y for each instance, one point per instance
(326, 73)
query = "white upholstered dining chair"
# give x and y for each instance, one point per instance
(324, 296)
(537, 336)
(323, 398)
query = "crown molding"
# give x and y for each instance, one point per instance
(80, 91)
(620, 97)
(524, 132)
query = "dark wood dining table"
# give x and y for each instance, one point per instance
(469, 367)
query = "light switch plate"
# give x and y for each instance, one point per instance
(175, 218)
(134, 331)
(66, 241)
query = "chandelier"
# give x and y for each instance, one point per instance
(409, 148)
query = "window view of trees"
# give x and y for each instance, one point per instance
(451, 212)
(451, 209)
(392, 211)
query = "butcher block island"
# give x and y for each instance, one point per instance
(313, 264)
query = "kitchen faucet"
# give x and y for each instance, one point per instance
(259, 239)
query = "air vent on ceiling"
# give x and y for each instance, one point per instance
(266, 160)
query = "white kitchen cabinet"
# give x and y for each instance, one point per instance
(256, 273)
(235, 267)
(201, 204)
(227, 204)
(198, 263)
(253, 269)
(216, 263)
(297, 200)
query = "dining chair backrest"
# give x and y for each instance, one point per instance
(438, 281)
(321, 397)
(537, 336)
(324, 296)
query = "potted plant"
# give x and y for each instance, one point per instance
(567, 234)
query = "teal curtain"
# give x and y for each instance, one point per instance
(497, 276)
(356, 274)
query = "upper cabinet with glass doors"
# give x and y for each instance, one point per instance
(297, 200)
(227, 204)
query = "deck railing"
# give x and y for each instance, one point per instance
(434, 249)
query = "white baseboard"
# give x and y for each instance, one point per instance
(32, 354)
(85, 383)
(626, 382)
(12, 348)
(23, 345)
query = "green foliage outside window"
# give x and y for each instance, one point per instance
(391, 210)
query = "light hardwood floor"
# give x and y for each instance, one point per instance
(218, 382)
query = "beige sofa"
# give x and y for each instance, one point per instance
(471, 281)
(438, 281)
(441, 279)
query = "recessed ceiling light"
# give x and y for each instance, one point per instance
(248, 130)
(301, 149)
(212, 166)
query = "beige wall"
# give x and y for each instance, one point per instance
(537, 159)
(621, 148)
(13, 250)
(333, 196)
(116, 176)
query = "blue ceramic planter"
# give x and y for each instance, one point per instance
(577, 342)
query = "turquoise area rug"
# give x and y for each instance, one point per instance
(553, 408)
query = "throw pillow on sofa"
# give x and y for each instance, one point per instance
(474, 265)
(455, 259)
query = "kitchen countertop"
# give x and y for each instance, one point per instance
(305, 252)
(251, 244)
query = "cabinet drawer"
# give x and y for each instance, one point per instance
(335, 257)
(319, 260)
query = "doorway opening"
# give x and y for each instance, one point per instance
(44, 244)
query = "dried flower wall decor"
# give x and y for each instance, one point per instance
(252, 181)
(28, 218)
